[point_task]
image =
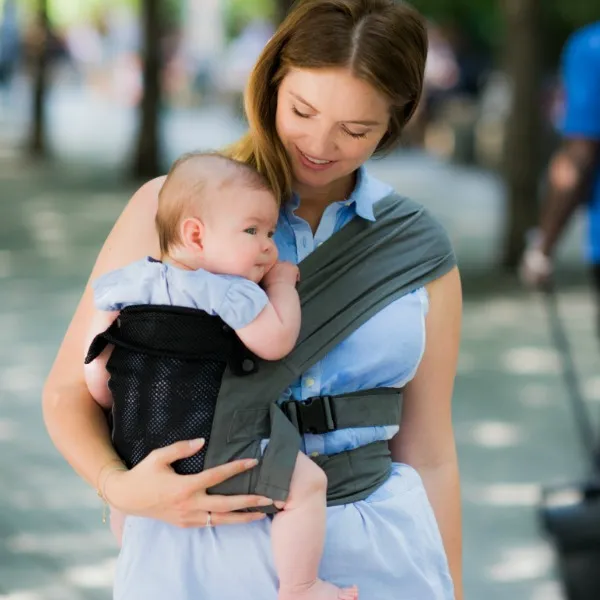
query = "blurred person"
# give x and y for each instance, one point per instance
(10, 44)
(574, 170)
(216, 219)
(335, 84)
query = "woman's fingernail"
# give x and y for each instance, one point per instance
(198, 443)
(250, 463)
(265, 502)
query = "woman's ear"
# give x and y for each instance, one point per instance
(192, 234)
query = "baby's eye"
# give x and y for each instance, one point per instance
(251, 230)
(271, 233)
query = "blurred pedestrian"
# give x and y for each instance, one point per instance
(574, 171)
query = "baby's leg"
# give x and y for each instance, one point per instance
(96, 375)
(298, 536)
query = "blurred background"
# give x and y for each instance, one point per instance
(97, 96)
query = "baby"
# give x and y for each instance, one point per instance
(216, 219)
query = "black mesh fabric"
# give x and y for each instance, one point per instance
(165, 374)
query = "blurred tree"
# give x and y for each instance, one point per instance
(40, 55)
(283, 6)
(147, 160)
(522, 151)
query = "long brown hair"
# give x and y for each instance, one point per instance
(382, 42)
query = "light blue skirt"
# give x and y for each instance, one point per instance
(389, 545)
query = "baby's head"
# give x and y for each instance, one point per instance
(217, 214)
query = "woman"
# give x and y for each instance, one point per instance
(335, 84)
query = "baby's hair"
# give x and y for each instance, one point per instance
(184, 189)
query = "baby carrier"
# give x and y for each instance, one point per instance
(181, 374)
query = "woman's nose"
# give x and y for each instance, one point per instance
(321, 145)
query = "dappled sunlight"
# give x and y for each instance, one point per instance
(530, 360)
(490, 434)
(591, 389)
(504, 494)
(20, 379)
(522, 563)
(92, 576)
(58, 543)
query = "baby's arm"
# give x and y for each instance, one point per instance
(96, 375)
(273, 334)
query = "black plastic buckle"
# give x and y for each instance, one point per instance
(314, 415)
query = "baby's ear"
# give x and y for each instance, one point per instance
(192, 234)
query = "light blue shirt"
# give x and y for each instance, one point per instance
(383, 352)
(236, 300)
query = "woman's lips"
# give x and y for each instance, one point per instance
(309, 164)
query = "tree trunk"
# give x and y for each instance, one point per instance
(522, 150)
(283, 6)
(37, 143)
(147, 158)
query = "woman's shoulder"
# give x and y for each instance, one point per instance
(146, 197)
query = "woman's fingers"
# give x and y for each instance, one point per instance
(216, 475)
(226, 504)
(177, 451)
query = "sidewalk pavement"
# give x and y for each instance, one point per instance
(513, 426)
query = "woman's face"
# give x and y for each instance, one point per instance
(329, 122)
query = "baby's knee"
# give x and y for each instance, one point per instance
(310, 477)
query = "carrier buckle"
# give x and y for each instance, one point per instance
(314, 415)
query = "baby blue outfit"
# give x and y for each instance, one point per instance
(236, 300)
(389, 544)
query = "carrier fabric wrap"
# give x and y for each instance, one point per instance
(349, 278)
(165, 374)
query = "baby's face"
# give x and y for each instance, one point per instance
(238, 236)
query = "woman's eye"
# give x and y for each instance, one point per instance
(355, 135)
(299, 114)
(251, 230)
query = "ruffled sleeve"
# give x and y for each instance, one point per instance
(244, 300)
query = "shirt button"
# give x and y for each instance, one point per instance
(310, 382)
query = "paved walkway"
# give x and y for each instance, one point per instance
(513, 427)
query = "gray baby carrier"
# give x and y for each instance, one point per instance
(353, 275)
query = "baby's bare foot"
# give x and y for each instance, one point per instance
(318, 590)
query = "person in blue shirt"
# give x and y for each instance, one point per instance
(574, 171)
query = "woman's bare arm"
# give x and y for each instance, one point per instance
(426, 439)
(77, 424)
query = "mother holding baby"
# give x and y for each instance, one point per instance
(334, 86)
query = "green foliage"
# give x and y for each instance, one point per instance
(240, 12)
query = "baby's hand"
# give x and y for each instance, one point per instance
(282, 272)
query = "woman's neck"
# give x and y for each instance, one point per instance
(314, 201)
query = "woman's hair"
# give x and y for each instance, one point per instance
(383, 42)
(186, 188)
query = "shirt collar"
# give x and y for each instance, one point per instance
(367, 192)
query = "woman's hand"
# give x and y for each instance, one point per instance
(153, 489)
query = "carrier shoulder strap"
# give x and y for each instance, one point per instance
(356, 273)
